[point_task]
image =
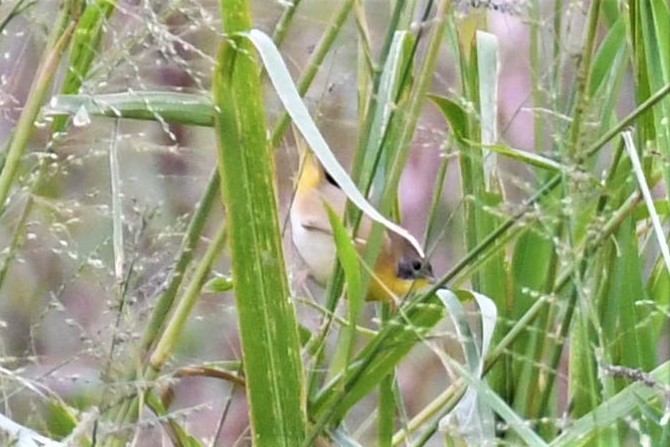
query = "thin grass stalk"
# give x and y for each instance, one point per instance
(175, 325)
(194, 231)
(574, 149)
(582, 80)
(607, 327)
(42, 166)
(282, 27)
(117, 211)
(436, 201)
(566, 278)
(410, 116)
(364, 44)
(624, 211)
(537, 250)
(367, 111)
(322, 48)
(651, 49)
(389, 138)
(386, 405)
(434, 411)
(539, 305)
(129, 409)
(536, 66)
(407, 129)
(648, 392)
(373, 363)
(18, 8)
(58, 43)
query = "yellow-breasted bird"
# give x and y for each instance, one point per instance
(399, 268)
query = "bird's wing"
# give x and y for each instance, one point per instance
(313, 215)
(311, 212)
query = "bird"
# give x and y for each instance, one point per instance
(399, 269)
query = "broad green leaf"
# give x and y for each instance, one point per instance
(62, 419)
(268, 327)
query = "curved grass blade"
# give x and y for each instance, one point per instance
(285, 89)
(454, 114)
(472, 419)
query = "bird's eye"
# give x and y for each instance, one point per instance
(412, 268)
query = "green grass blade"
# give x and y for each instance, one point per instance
(170, 107)
(625, 404)
(268, 327)
(348, 257)
(653, 19)
(320, 51)
(377, 152)
(609, 52)
(470, 420)
(189, 243)
(496, 403)
(529, 158)
(455, 115)
(479, 179)
(377, 360)
(658, 289)
(487, 74)
(648, 199)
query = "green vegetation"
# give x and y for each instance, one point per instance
(134, 310)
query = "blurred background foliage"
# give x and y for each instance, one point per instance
(95, 211)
